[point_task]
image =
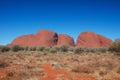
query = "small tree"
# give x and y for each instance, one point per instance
(53, 50)
(16, 48)
(64, 48)
(26, 48)
(33, 48)
(4, 48)
(47, 49)
(78, 50)
(41, 48)
(115, 47)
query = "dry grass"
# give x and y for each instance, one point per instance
(104, 66)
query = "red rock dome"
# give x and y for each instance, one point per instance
(64, 39)
(42, 38)
(91, 39)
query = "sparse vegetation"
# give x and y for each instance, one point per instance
(115, 47)
(64, 48)
(16, 48)
(33, 48)
(78, 50)
(4, 48)
(28, 64)
(53, 50)
(47, 49)
(41, 48)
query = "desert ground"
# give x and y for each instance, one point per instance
(37, 65)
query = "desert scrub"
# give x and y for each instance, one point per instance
(82, 69)
(16, 48)
(26, 48)
(71, 49)
(64, 48)
(40, 48)
(47, 49)
(57, 48)
(115, 47)
(33, 48)
(102, 50)
(4, 48)
(53, 50)
(78, 50)
(3, 64)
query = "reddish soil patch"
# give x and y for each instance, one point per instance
(62, 75)
(7, 72)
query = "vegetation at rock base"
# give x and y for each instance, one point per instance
(115, 47)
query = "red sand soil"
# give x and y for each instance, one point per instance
(62, 75)
(52, 74)
(4, 72)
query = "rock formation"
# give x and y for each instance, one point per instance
(42, 38)
(64, 39)
(91, 39)
(50, 38)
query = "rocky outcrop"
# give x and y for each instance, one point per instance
(25, 40)
(46, 38)
(104, 41)
(64, 39)
(42, 38)
(51, 38)
(91, 39)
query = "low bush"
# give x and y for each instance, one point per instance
(78, 50)
(64, 48)
(41, 48)
(47, 49)
(26, 48)
(115, 47)
(16, 48)
(53, 50)
(33, 48)
(4, 48)
(57, 48)
(71, 49)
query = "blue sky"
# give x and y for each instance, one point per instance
(18, 17)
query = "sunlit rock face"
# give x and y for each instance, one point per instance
(64, 39)
(91, 39)
(42, 38)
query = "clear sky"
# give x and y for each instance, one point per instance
(18, 17)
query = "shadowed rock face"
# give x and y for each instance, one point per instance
(42, 38)
(91, 39)
(64, 39)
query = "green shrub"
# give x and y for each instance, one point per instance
(53, 50)
(115, 47)
(47, 49)
(102, 50)
(57, 48)
(64, 48)
(41, 48)
(78, 50)
(26, 48)
(16, 48)
(4, 48)
(71, 49)
(33, 48)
